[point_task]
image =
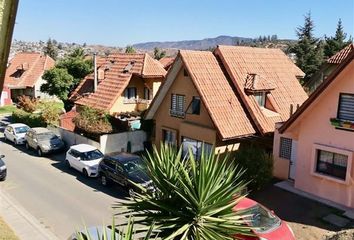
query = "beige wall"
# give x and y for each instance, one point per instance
(314, 131)
(139, 83)
(199, 127)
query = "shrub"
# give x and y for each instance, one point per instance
(31, 119)
(93, 121)
(258, 165)
(50, 113)
(27, 104)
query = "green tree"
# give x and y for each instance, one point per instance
(158, 54)
(308, 49)
(336, 43)
(51, 49)
(130, 49)
(58, 83)
(195, 199)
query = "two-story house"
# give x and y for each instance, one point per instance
(315, 146)
(225, 97)
(124, 83)
(24, 76)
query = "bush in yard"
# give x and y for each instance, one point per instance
(258, 165)
(50, 113)
(31, 119)
(194, 199)
(93, 121)
(27, 103)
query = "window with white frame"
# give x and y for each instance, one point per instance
(331, 164)
(260, 98)
(130, 93)
(177, 105)
(285, 148)
(346, 107)
(195, 146)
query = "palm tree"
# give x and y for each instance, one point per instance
(195, 198)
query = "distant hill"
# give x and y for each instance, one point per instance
(193, 44)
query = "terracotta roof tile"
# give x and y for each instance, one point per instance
(341, 55)
(277, 68)
(166, 61)
(217, 94)
(118, 69)
(33, 66)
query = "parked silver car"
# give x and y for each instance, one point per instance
(43, 141)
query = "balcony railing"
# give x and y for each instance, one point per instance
(343, 124)
(136, 100)
(177, 113)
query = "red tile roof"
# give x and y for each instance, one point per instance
(318, 92)
(217, 93)
(119, 69)
(276, 69)
(33, 66)
(341, 55)
(166, 61)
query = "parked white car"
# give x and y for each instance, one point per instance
(84, 158)
(16, 133)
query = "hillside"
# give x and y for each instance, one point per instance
(206, 43)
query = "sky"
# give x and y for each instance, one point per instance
(120, 23)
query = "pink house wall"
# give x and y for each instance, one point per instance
(313, 131)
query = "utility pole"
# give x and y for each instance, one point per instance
(95, 80)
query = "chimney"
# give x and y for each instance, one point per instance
(95, 73)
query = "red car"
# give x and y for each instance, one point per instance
(267, 226)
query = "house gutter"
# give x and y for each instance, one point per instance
(8, 10)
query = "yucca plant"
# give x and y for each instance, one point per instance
(126, 233)
(194, 199)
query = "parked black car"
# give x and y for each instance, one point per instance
(3, 170)
(122, 168)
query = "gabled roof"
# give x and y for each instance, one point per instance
(276, 71)
(220, 79)
(118, 68)
(26, 68)
(166, 62)
(318, 92)
(341, 55)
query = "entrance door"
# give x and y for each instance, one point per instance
(292, 167)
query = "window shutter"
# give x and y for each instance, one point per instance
(346, 107)
(174, 102)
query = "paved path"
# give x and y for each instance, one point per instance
(61, 200)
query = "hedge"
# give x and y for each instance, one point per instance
(30, 119)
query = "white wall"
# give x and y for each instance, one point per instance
(119, 142)
(71, 138)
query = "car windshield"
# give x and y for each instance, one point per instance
(133, 165)
(261, 219)
(92, 155)
(23, 129)
(47, 136)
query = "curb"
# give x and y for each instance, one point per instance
(25, 225)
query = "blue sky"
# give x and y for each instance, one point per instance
(118, 23)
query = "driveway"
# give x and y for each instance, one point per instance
(303, 215)
(61, 199)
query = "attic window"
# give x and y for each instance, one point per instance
(260, 98)
(18, 73)
(185, 73)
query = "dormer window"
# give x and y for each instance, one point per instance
(261, 98)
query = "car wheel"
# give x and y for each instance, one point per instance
(27, 146)
(3, 179)
(39, 152)
(131, 192)
(67, 164)
(104, 180)
(85, 172)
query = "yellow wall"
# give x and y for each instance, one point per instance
(139, 83)
(199, 127)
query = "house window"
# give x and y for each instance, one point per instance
(260, 98)
(285, 148)
(130, 93)
(185, 73)
(346, 107)
(177, 105)
(196, 105)
(332, 164)
(169, 137)
(146, 93)
(195, 146)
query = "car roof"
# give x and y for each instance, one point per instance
(40, 130)
(17, 125)
(122, 156)
(83, 147)
(245, 203)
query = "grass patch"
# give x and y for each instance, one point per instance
(7, 109)
(54, 104)
(6, 232)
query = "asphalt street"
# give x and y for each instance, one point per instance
(62, 199)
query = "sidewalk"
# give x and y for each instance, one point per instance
(25, 226)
